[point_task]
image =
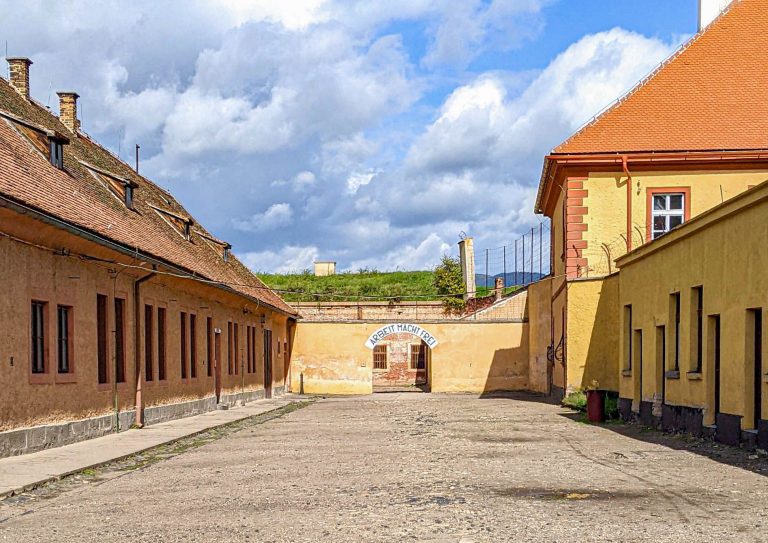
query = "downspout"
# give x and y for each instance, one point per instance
(625, 167)
(137, 346)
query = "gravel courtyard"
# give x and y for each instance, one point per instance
(413, 467)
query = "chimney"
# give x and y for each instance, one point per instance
(18, 68)
(709, 10)
(498, 288)
(467, 257)
(68, 110)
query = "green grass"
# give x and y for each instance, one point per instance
(366, 284)
(576, 400)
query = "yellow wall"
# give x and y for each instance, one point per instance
(593, 343)
(725, 252)
(540, 329)
(331, 358)
(607, 205)
(476, 357)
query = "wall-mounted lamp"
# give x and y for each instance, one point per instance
(263, 320)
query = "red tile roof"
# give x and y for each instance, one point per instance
(78, 198)
(711, 95)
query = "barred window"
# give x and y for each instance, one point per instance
(380, 357)
(418, 356)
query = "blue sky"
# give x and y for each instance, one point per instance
(363, 132)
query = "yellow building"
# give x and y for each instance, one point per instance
(692, 135)
(692, 327)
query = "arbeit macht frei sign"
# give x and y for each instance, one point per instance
(401, 328)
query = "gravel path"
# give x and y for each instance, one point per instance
(413, 467)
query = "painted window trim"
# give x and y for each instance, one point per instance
(650, 192)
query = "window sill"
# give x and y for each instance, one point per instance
(626, 373)
(675, 374)
(41, 378)
(62, 378)
(694, 375)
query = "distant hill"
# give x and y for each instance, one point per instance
(509, 281)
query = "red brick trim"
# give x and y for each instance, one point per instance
(575, 215)
(649, 192)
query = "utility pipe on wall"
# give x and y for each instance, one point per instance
(625, 167)
(137, 346)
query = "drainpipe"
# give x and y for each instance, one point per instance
(137, 346)
(625, 167)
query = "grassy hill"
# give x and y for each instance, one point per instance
(349, 286)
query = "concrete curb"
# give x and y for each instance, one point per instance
(33, 458)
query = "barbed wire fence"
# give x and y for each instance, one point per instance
(520, 262)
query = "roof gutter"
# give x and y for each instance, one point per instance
(24, 209)
(553, 162)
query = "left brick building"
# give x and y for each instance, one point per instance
(117, 307)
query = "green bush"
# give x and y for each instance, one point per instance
(611, 407)
(448, 281)
(576, 400)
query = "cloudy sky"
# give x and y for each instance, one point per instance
(367, 132)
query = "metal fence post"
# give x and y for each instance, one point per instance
(505, 264)
(516, 263)
(541, 249)
(531, 277)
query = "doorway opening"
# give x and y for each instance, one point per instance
(401, 363)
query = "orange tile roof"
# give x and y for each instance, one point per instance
(78, 198)
(712, 95)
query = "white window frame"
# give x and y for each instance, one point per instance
(667, 213)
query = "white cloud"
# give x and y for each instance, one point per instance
(481, 127)
(304, 179)
(294, 15)
(359, 179)
(290, 259)
(276, 216)
(408, 257)
(346, 139)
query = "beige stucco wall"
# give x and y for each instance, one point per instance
(725, 253)
(476, 357)
(29, 273)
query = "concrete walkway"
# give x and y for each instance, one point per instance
(19, 473)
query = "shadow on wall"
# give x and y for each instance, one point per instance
(508, 371)
(593, 334)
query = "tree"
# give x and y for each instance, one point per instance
(449, 283)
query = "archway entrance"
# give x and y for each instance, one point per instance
(401, 358)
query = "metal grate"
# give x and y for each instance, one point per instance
(380, 357)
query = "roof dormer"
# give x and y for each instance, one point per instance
(48, 143)
(180, 223)
(120, 187)
(222, 248)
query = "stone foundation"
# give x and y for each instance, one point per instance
(37, 438)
